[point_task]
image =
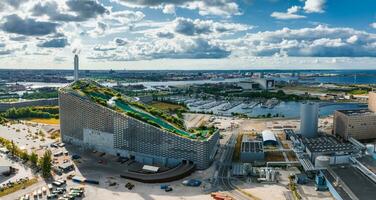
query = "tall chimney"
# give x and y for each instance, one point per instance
(76, 63)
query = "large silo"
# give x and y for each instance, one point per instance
(309, 115)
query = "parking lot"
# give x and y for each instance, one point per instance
(27, 135)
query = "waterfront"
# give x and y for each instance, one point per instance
(290, 109)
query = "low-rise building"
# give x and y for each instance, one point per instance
(248, 85)
(5, 166)
(251, 150)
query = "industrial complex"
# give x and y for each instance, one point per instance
(109, 136)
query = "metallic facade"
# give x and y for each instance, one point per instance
(76, 65)
(80, 118)
(309, 116)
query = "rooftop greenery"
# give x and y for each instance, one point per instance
(129, 106)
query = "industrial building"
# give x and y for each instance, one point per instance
(248, 85)
(265, 83)
(347, 182)
(358, 124)
(321, 152)
(251, 150)
(118, 128)
(309, 115)
(326, 146)
(268, 138)
(372, 101)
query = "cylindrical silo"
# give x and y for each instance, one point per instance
(309, 115)
(322, 162)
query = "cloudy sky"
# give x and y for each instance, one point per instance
(188, 34)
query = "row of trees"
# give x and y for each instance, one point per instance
(34, 112)
(45, 162)
(41, 94)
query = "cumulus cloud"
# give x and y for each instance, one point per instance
(124, 19)
(120, 41)
(99, 30)
(15, 3)
(87, 9)
(205, 7)
(54, 43)
(191, 27)
(169, 9)
(27, 26)
(104, 48)
(314, 6)
(321, 41)
(290, 14)
(373, 25)
(72, 10)
(167, 35)
(177, 48)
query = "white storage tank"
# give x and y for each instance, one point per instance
(370, 149)
(322, 162)
(309, 115)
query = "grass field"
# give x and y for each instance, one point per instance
(51, 121)
(18, 187)
(166, 106)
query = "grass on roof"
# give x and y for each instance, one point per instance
(149, 114)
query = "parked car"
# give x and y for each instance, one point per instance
(56, 183)
(75, 157)
(168, 189)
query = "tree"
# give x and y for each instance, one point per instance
(33, 158)
(13, 149)
(24, 156)
(46, 163)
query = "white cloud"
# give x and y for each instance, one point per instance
(224, 8)
(373, 25)
(175, 48)
(169, 9)
(290, 14)
(314, 6)
(191, 27)
(320, 41)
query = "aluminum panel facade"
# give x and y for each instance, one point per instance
(131, 136)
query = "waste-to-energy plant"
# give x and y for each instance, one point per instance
(97, 117)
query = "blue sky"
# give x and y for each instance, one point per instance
(188, 34)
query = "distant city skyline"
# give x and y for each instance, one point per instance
(188, 34)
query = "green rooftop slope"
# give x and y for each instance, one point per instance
(112, 99)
